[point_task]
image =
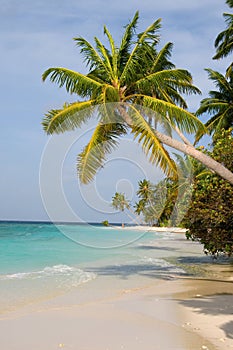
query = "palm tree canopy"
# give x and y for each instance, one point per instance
(128, 85)
(219, 104)
(224, 40)
(119, 202)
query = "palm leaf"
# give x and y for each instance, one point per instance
(113, 51)
(162, 56)
(73, 81)
(102, 142)
(179, 78)
(220, 81)
(68, 118)
(150, 144)
(132, 65)
(126, 41)
(105, 58)
(186, 121)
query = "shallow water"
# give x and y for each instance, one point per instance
(39, 261)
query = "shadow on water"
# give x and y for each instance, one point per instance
(151, 247)
(147, 270)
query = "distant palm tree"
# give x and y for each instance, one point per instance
(124, 83)
(145, 190)
(219, 104)
(119, 202)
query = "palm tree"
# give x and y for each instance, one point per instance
(119, 202)
(128, 85)
(219, 104)
(224, 40)
(145, 190)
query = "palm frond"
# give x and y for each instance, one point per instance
(114, 52)
(150, 144)
(68, 118)
(102, 142)
(173, 96)
(229, 3)
(74, 82)
(222, 120)
(92, 57)
(126, 42)
(181, 79)
(106, 58)
(224, 40)
(133, 65)
(210, 105)
(186, 121)
(220, 81)
(162, 56)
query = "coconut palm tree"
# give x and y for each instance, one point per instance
(127, 86)
(145, 190)
(119, 202)
(219, 104)
(224, 40)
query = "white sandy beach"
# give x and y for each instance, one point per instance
(130, 313)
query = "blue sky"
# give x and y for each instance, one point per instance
(36, 35)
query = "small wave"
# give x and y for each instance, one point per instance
(62, 273)
(161, 264)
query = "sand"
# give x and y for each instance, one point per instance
(109, 313)
(162, 315)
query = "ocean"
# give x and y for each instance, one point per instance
(39, 261)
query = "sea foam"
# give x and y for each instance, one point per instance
(63, 273)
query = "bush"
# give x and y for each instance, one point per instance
(210, 219)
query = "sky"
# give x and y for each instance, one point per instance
(36, 35)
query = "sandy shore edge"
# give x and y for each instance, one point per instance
(180, 312)
(184, 314)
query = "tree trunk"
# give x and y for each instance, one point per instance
(190, 150)
(186, 148)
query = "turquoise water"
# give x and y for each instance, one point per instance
(39, 260)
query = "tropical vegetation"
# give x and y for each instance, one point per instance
(133, 87)
(219, 104)
(224, 40)
(209, 219)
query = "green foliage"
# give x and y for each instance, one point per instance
(224, 41)
(151, 201)
(119, 202)
(219, 104)
(135, 73)
(105, 223)
(209, 219)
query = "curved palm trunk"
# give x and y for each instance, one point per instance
(190, 150)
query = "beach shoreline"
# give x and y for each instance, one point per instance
(134, 304)
(127, 315)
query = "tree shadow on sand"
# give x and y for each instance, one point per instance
(228, 329)
(218, 304)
